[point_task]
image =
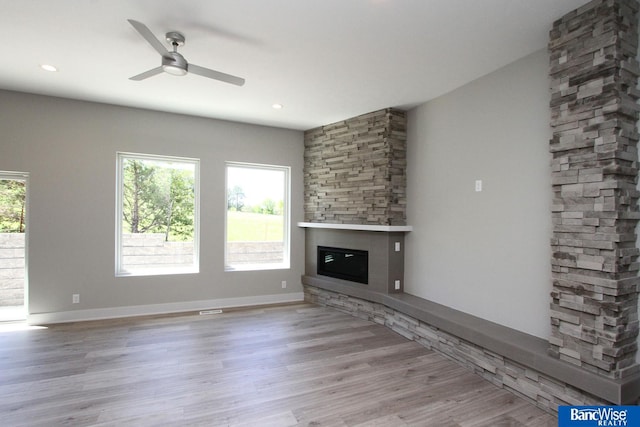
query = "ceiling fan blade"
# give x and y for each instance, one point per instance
(152, 72)
(146, 33)
(217, 75)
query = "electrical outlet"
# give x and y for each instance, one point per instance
(397, 285)
(75, 298)
(284, 284)
(397, 247)
(478, 185)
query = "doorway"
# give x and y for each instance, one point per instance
(13, 245)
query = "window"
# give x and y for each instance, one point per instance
(156, 215)
(257, 221)
(13, 245)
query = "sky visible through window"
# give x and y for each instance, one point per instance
(257, 184)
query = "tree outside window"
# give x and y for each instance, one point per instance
(157, 211)
(12, 206)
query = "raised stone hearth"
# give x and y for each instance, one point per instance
(508, 358)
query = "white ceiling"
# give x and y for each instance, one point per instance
(324, 60)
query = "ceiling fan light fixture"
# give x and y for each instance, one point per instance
(174, 70)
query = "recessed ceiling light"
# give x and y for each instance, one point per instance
(277, 106)
(48, 67)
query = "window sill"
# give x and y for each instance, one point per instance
(256, 267)
(158, 272)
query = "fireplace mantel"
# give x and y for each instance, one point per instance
(360, 227)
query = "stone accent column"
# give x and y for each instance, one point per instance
(355, 170)
(594, 72)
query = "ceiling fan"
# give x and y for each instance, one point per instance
(172, 62)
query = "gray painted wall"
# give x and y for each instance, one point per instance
(69, 148)
(485, 253)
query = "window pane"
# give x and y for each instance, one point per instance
(257, 217)
(158, 225)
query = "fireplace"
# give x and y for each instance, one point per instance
(342, 263)
(382, 271)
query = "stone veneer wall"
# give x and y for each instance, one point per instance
(593, 72)
(354, 170)
(542, 390)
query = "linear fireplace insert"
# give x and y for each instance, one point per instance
(341, 263)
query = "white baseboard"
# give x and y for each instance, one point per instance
(144, 310)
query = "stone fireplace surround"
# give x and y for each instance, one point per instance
(347, 182)
(354, 177)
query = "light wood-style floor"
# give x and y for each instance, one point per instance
(279, 366)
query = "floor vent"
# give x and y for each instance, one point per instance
(205, 312)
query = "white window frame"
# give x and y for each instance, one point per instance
(23, 176)
(286, 214)
(190, 269)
